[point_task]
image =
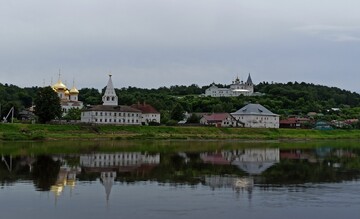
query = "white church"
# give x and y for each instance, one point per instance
(110, 112)
(237, 88)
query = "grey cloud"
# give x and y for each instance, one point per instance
(333, 33)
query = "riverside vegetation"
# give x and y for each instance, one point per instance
(284, 99)
(12, 132)
(292, 98)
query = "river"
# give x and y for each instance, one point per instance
(213, 180)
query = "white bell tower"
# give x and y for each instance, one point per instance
(110, 98)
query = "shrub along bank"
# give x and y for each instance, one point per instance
(18, 132)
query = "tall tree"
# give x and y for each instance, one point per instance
(177, 113)
(47, 105)
(73, 114)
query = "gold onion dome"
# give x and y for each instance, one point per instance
(59, 85)
(74, 90)
(67, 92)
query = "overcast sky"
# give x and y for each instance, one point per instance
(153, 43)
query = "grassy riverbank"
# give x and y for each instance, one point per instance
(16, 132)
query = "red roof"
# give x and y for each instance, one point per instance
(145, 108)
(215, 159)
(216, 117)
(294, 120)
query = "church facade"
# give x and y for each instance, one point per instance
(237, 88)
(110, 112)
(68, 97)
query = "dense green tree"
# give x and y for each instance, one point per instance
(177, 113)
(73, 114)
(47, 105)
(193, 119)
(90, 96)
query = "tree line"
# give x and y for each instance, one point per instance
(286, 99)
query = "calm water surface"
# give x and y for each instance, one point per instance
(322, 182)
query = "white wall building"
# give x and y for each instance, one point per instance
(237, 88)
(118, 159)
(110, 112)
(148, 112)
(256, 116)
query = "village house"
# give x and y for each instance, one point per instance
(256, 116)
(219, 120)
(110, 112)
(148, 113)
(294, 122)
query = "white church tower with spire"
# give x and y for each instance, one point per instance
(110, 98)
(110, 112)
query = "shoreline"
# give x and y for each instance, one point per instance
(45, 132)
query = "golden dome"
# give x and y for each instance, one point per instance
(74, 90)
(59, 85)
(67, 92)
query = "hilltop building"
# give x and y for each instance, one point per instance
(68, 97)
(110, 112)
(237, 88)
(256, 116)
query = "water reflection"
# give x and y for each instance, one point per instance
(220, 183)
(237, 169)
(109, 164)
(252, 161)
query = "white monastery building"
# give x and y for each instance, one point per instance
(237, 88)
(110, 112)
(149, 113)
(256, 116)
(68, 98)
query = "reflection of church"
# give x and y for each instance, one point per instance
(66, 178)
(108, 165)
(108, 180)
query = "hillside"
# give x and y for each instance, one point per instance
(284, 99)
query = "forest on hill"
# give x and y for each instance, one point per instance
(286, 99)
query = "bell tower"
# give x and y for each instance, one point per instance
(110, 98)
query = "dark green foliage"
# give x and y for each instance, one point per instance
(13, 96)
(47, 105)
(193, 119)
(90, 96)
(292, 98)
(73, 114)
(177, 113)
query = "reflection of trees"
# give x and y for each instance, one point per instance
(301, 171)
(17, 172)
(176, 169)
(189, 168)
(45, 172)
